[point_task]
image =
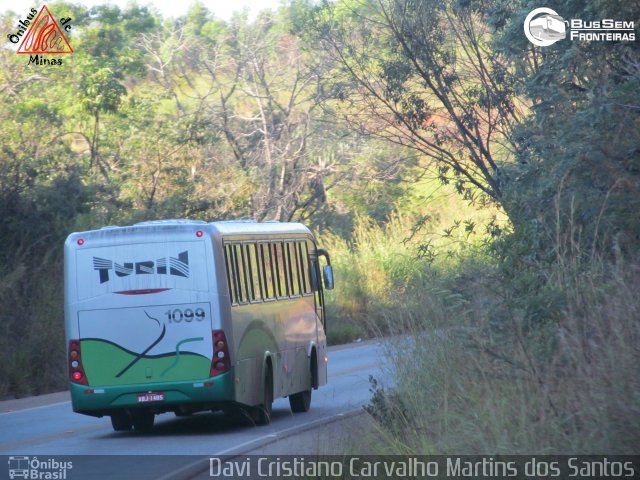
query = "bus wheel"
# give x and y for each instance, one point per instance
(121, 421)
(143, 420)
(263, 416)
(300, 402)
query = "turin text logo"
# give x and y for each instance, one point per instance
(178, 267)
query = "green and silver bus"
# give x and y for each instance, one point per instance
(186, 316)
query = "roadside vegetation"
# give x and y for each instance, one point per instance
(481, 369)
(479, 196)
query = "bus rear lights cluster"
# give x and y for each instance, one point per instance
(220, 362)
(76, 372)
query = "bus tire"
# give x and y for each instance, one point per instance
(263, 414)
(301, 402)
(121, 421)
(142, 420)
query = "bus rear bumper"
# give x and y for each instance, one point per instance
(193, 395)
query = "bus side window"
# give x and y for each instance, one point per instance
(292, 263)
(254, 271)
(234, 271)
(314, 279)
(312, 262)
(231, 275)
(274, 269)
(243, 296)
(267, 270)
(316, 283)
(280, 267)
(303, 262)
(251, 294)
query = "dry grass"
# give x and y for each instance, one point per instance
(477, 375)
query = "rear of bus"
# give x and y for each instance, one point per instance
(142, 321)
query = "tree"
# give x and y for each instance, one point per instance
(41, 195)
(251, 84)
(575, 188)
(422, 74)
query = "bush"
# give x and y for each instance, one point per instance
(381, 278)
(481, 386)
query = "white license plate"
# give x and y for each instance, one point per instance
(150, 397)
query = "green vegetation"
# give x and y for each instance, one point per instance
(479, 196)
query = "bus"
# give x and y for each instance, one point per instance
(187, 316)
(548, 27)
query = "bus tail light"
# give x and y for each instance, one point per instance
(76, 371)
(220, 362)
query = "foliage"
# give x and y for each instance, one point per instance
(384, 273)
(422, 74)
(540, 356)
(471, 384)
(577, 175)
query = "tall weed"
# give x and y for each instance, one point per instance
(381, 278)
(486, 366)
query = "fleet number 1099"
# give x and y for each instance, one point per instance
(177, 315)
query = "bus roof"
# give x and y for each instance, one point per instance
(224, 227)
(251, 227)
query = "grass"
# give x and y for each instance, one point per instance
(483, 366)
(493, 354)
(381, 273)
(566, 388)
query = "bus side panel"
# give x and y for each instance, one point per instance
(284, 329)
(255, 333)
(70, 289)
(300, 326)
(249, 372)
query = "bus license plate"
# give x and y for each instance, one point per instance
(150, 397)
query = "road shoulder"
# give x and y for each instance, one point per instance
(17, 404)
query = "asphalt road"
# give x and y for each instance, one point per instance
(54, 430)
